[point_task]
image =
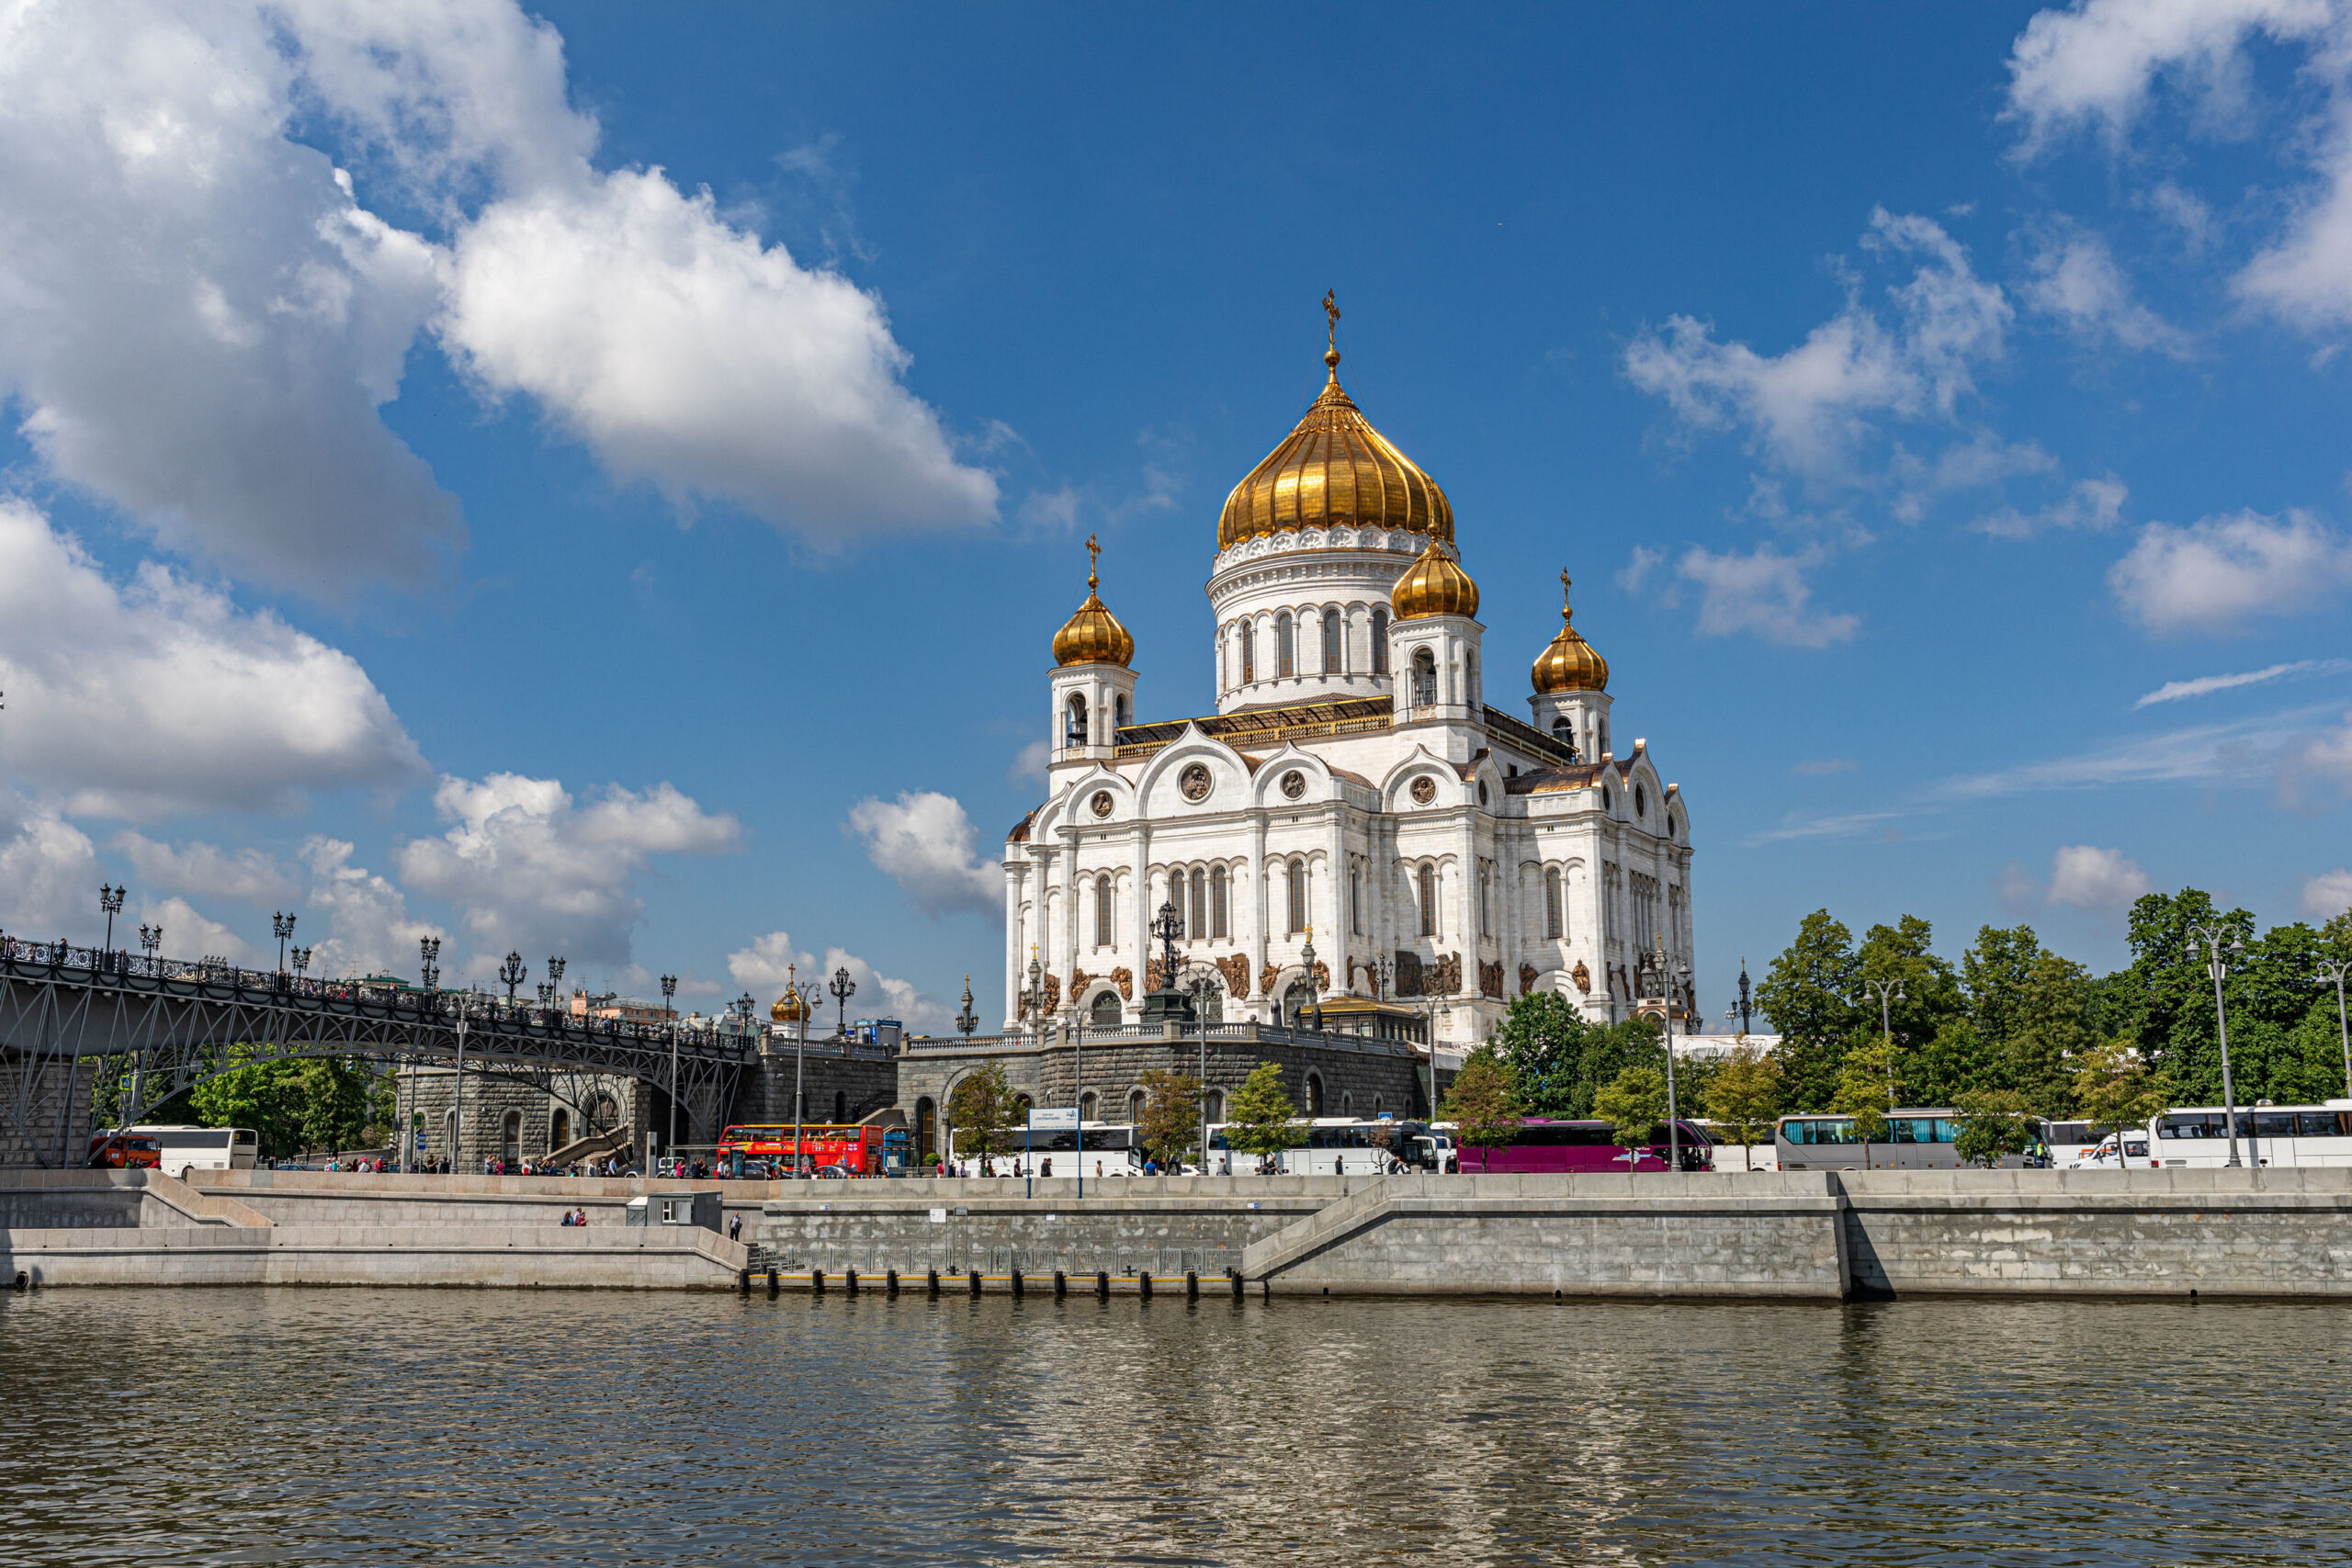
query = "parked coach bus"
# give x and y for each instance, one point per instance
(183, 1149)
(826, 1149)
(1340, 1145)
(1543, 1145)
(1913, 1140)
(1109, 1149)
(2268, 1134)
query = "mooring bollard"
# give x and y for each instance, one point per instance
(890, 1282)
(1235, 1273)
(935, 1281)
(1016, 1282)
(1143, 1283)
(743, 1278)
(975, 1283)
(23, 1282)
(1192, 1284)
(1103, 1284)
(1061, 1284)
(817, 1280)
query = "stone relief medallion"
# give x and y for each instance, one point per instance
(1294, 785)
(1194, 781)
(1424, 789)
(1102, 803)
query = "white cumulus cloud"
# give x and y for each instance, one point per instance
(2093, 878)
(159, 695)
(48, 874)
(2328, 894)
(771, 960)
(2094, 504)
(1764, 591)
(368, 928)
(207, 870)
(2075, 280)
(536, 870)
(2319, 772)
(2217, 573)
(925, 843)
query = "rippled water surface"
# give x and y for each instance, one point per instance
(356, 1426)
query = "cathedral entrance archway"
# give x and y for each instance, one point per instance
(1105, 1013)
(1296, 1001)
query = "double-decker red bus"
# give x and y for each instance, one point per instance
(824, 1148)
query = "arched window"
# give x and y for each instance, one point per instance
(840, 1107)
(1297, 878)
(1564, 733)
(1486, 886)
(510, 1136)
(1103, 910)
(1554, 927)
(1104, 1014)
(1331, 656)
(1248, 652)
(1175, 901)
(1217, 902)
(1074, 732)
(1086, 1104)
(1429, 900)
(1214, 1102)
(1424, 678)
(926, 1126)
(1134, 1106)
(1199, 902)
(558, 1130)
(1469, 677)
(1314, 1093)
(1286, 646)
(1355, 899)
(1347, 1102)
(1380, 641)
(1297, 997)
(1119, 711)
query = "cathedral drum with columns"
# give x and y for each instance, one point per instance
(1353, 788)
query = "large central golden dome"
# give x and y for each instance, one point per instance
(1334, 470)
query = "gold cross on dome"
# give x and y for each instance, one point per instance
(1093, 555)
(1564, 582)
(1331, 309)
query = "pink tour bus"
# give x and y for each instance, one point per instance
(1545, 1146)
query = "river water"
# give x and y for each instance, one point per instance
(480, 1427)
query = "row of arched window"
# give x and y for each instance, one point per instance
(1077, 731)
(1289, 630)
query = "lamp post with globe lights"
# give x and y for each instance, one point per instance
(843, 988)
(110, 900)
(670, 1017)
(555, 981)
(281, 926)
(2217, 940)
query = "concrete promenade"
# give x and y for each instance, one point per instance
(1818, 1235)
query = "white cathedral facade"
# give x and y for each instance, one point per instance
(1353, 788)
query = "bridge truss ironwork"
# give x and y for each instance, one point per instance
(164, 1025)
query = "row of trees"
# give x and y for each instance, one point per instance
(296, 1105)
(2015, 1023)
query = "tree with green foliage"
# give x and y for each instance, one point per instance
(1863, 1091)
(1808, 994)
(1743, 1096)
(981, 1118)
(1632, 1103)
(1258, 1117)
(2115, 1085)
(1994, 974)
(1172, 1115)
(297, 1104)
(1991, 1123)
(1560, 1058)
(1483, 1101)
(1958, 1061)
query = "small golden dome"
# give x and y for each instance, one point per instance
(1334, 469)
(1569, 664)
(1434, 584)
(788, 1008)
(1094, 635)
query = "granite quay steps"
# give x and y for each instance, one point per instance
(102, 1227)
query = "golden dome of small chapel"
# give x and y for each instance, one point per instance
(1094, 635)
(1569, 664)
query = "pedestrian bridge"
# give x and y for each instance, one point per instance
(75, 1018)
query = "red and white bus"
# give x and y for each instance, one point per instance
(826, 1149)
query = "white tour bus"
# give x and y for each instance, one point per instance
(2268, 1134)
(1336, 1145)
(202, 1149)
(1111, 1150)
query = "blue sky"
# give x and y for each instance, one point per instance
(602, 480)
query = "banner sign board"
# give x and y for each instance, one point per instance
(1053, 1119)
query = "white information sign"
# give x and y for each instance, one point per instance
(939, 1216)
(1053, 1119)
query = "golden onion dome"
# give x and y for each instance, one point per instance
(1094, 635)
(1434, 584)
(1569, 664)
(1334, 470)
(788, 1009)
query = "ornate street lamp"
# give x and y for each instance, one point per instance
(110, 900)
(555, 980)
(843, 987)
(301, 960)
(2212, 938)
(150, 938)
(1314, 991)
(966, 1021)
(1379, 971)
(511, 974)
(1884, 989)
(281, 926)
(2333, 970)
(1745, 1005)
(428, 949)
(669, 1014)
